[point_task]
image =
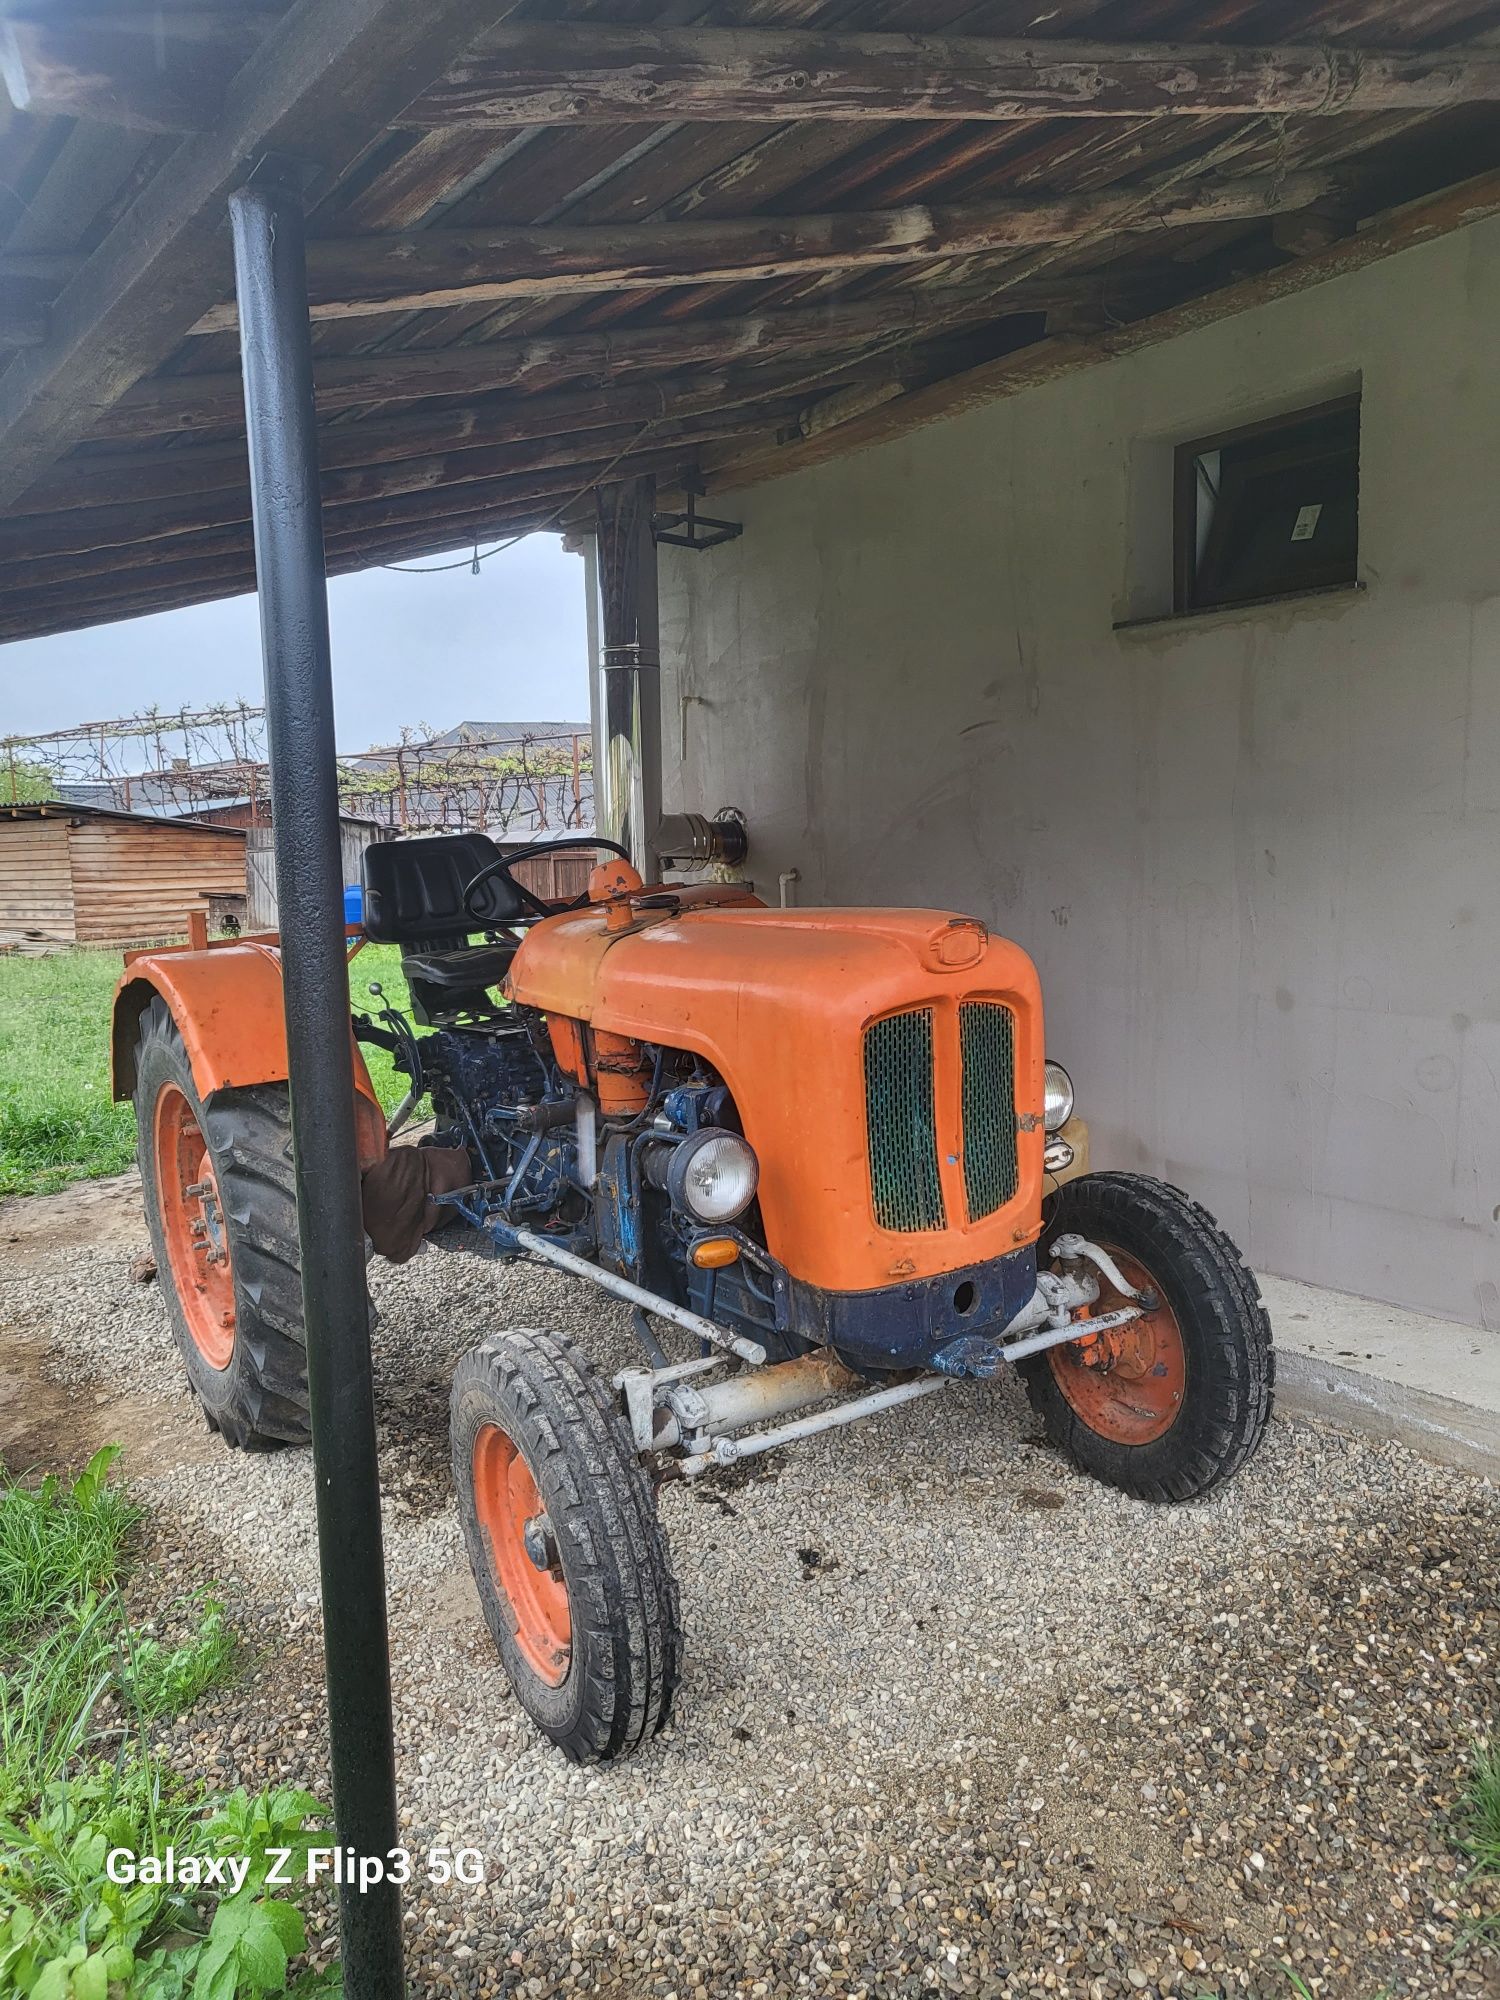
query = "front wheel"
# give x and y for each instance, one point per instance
(1168, 1405)
(565, 1545)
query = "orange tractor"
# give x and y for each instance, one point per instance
(817, 1152)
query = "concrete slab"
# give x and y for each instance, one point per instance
(1428, 1383)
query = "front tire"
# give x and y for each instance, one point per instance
(1167, 1407)
(566, 1548)
(216, 1175)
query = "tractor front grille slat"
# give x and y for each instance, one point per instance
(901, 1122)
(986, 1034)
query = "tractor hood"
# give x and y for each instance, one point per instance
(874, 1166)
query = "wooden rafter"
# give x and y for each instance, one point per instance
(159, 70)
(176, 404)
(546, 73)
(353, 512)
(128, 531)
(199, 579)
(313, 88)
(1414, 223)
(169, 70)
(438, 268)
(135, 476)
(44, 270)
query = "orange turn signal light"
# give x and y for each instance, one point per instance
(714, 1252)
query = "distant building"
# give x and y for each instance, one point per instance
(73, 874)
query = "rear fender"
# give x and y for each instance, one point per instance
(227, 1004)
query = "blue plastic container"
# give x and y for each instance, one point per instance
(354, 903)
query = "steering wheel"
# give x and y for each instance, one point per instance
(504, 863)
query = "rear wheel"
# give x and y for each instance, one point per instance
(1170, 1404)
(217, 1180)
(565, 1544)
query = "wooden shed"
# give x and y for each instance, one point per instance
(78, 875)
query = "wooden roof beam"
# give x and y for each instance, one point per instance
(551, 73)
(40, 271)
(173, 71)
(1046, 361)
(159, 70)
(327, 72)
(199, 580)
(130, 531)
(358, 507)
(174, 405)
(439, 268)
(137, 476)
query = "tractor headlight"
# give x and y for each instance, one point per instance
(712, 1175)
(1057, 1100)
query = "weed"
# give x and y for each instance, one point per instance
(163, 1680)
(55, 1894)
(80, 1779)
(48, 1703)
(1480, 1809)
(69, 1932)
(1476, 1833)
(59, 1544)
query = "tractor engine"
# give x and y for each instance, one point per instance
(660, 1188)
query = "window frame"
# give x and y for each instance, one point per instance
(1185, 560)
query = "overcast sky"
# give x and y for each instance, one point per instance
(506, 645)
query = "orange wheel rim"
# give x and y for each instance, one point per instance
(527, 1569)
(197, 1242)
(1127, 1383)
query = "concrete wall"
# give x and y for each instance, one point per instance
(1256, 856)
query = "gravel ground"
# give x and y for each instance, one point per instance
(954, 1720)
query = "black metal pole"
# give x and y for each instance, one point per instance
(276, 356)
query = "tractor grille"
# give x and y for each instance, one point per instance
(902, 1128)
(986, 1033)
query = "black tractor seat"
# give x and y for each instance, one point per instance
(465, 965)
(414, 898)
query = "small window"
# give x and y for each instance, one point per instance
(1268, 510)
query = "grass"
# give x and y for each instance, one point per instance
(81, 1690)
(1476, 1834)
(1480, 1809)
(59, 1546)
(58, 1123)
(381, 963)
(165, 1679)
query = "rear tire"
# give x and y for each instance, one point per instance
(566, 1548)
(223, 1225)
(1188, 1399)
